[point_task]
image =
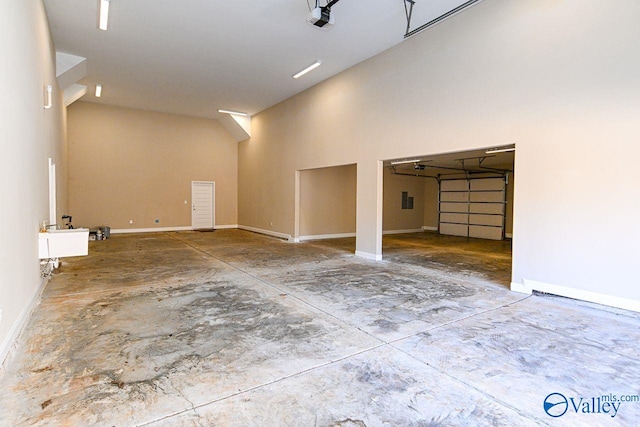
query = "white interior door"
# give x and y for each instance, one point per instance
(203, 204)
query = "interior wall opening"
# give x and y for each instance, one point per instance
(451, 211)
(327, 202)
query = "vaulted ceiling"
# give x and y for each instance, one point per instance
(193, 57)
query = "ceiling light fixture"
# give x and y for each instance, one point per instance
(306, 70)
(402, 162)
(234, 113)
(49, 91)
(500, 150)
(98, 90)
(104, 14)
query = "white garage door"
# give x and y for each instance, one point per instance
(473, 207)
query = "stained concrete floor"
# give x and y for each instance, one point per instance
(232, 328)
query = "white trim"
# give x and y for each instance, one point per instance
(267, 232)
(22, 320)
(149, 230)
(225, 227)
(161, 229)
(324, 236)
(429, 228)
(367, 255)
(413, 230)
(528, 286)
(52, 194)
(520, 288)
(296, 214)
(379, 209)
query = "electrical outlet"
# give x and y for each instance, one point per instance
(185, 202)
(157, 221)
(130, 221)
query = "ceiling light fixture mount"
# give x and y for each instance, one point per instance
(104, 14)
(306, 70)
(321, 16)
(233, 113)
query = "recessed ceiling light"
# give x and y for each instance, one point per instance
(402, 162)
(500, 150)
(104, 14)
(306, 70)
(234, 113)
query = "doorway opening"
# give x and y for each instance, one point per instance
(453, 211)
(326, 203)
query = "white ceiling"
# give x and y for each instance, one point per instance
(192, 57)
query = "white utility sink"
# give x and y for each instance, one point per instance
(63, 243)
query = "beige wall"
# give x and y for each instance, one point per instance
(29, 135)
(559, 78)
(132, 164)
(328, 201)
(394, 218)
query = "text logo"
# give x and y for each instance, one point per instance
(556, 405)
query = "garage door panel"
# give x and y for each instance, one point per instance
(454, 229)
(495, 184)
(487, 196)
(487, 208)
(480, 232)
(447, 196)
(483, 198)
(493, 220)
(454, 185)
(454, 207)
(454, 217)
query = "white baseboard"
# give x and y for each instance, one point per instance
(149, 230)
(22, 320)
(367, 255)
(413, 230)
(324, 236)
(226, 227)
(520, 288)
(429, 228)
(528, 286)
(162, 229)
(267, 232)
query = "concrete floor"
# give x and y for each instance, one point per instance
(231, 328)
